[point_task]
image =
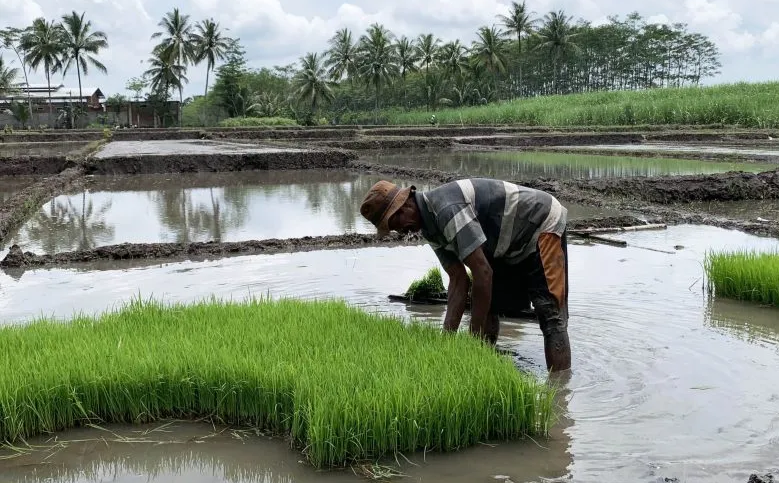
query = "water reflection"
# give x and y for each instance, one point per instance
(199, 207)
(62, 224)
(517, 165)
(207, 206)
(745, 320)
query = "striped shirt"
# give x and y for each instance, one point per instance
(503, 218)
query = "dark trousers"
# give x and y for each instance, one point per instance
(541, 278)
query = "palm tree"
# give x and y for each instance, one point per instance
(558, 39)
(10, 39)
(164, 74)
(342, 56)
(453, 57)
(79, 45)
(44, 44)
(312, 82)
(408, 57)
(520, 23)
(491, 51)
(427, 50)
(209, 45)
(176, 44)
(8, 76)
(378, 59)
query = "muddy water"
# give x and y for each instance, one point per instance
(768, 151)
(11, 185)
(41, 148)
(180, 147)
(208, 206)
(749, 210)
(529, 164)
(666, 382)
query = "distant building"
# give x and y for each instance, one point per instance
(60, 96)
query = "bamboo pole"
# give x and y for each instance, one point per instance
(619, 229)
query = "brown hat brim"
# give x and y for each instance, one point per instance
(400, 198)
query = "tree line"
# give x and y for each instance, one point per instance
(356, 75)
(520, 56)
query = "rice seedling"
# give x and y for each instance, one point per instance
(744, 275)
(343, 385)
(741, 104)
(431, 285)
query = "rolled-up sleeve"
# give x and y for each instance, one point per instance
(461, 230)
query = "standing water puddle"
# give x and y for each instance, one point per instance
(666, 383)
(769, 151)
(516, 165)
(208, 206)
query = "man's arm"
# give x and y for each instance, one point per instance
(481, 294)
(457, 295)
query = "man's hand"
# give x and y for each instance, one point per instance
(481, 294)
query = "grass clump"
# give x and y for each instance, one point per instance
(741, 104)
(256, 122)
(746, 275)
(431, 285)
(345, 385)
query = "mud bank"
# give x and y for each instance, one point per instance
(128, 251)
(32, 165)
(730, 186)
(532, 140)
(16, 258)
(366, 143)
(594, 138)
(191, 163)
(21, 205)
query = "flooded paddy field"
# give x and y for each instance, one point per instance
(666, 381)
(199, 207)
(537, 164)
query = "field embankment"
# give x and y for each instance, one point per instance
(750, 105)
(344, 385)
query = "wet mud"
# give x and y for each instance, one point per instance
(657, 189)
(128, 251)
(15, 210)
(32, 165)
(365, 143)
(17, 258)
(730, 186)
(190, 163)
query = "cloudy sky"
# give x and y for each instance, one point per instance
(276, 32)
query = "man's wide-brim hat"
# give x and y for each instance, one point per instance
(381, 202)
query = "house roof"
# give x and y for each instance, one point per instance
(41, 91)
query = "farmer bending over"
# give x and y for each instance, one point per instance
(506, 234)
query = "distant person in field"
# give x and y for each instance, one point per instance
(511, 238)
